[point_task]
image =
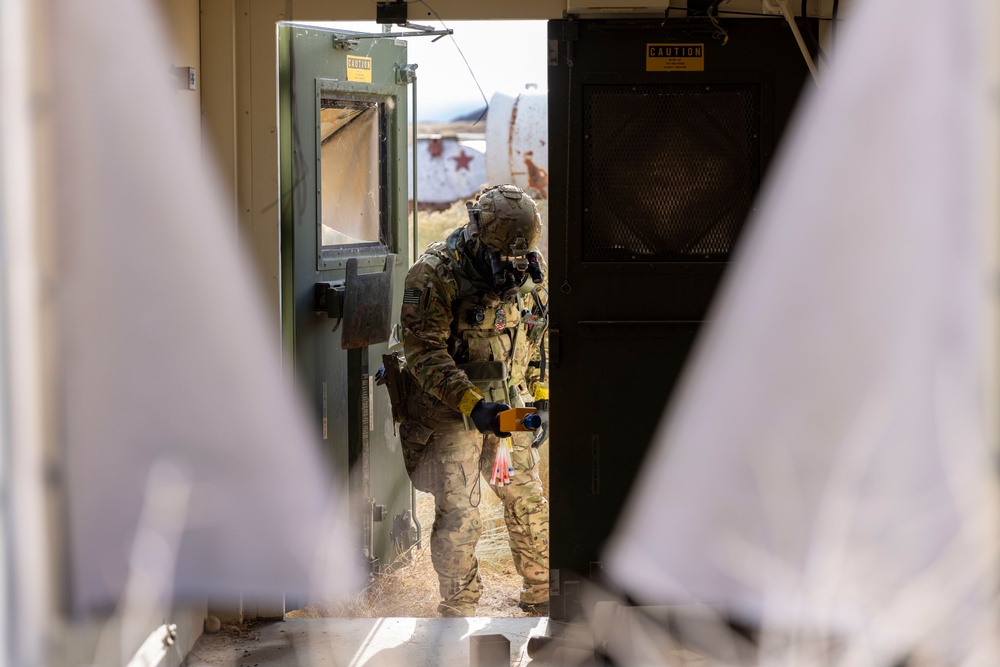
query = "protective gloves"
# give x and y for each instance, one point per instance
(542, 433)
(485, 416)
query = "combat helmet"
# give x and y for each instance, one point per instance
(501, 235)
(506, 219)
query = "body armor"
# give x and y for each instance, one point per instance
(450, 302)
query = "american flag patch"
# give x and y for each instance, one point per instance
(411, 295)
(501, 320)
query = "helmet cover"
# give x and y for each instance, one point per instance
(509, 222)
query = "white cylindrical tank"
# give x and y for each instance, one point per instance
(448, 169)
(517, 147)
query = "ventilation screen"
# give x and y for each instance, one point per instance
(670, 172)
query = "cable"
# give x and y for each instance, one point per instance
(474, 79)
(477, 489)
(813, 42)
(736, 12)
(720, 31)
(783, 6)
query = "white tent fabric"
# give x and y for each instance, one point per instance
(825, 467)
(191, 469)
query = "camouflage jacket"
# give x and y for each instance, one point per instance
(441, 289)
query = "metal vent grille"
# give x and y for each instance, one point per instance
(670, 172)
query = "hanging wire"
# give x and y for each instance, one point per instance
(438, 18)
(736, 12)
(813, 42)
(719, 30)
(464, 60)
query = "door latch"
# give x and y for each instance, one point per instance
(329, 298)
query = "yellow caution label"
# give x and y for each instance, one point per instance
(675, 57)
(359, 68)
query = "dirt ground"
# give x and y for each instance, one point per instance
(412, 590)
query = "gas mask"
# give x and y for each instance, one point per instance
(503, 227)
(510, 271)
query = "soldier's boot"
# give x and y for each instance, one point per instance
(537, 609)
(463, 603)
(534, 593)
(454, 609)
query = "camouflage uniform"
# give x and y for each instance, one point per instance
(442, 455)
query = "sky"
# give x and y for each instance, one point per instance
(446, 85)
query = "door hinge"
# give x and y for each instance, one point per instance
(406, 73)
(345, 44)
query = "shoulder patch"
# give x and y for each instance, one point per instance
(411, 295)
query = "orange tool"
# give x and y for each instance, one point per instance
(519, 419)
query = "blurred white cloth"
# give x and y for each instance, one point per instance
(174, 405)
(825, 465)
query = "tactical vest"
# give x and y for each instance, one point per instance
(483, 327)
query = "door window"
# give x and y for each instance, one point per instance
(352, 174)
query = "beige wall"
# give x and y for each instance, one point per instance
(180, 18)
(449, 10)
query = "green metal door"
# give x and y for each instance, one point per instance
(344, 241)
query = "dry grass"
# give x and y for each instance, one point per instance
(411, 588)
(436, 225)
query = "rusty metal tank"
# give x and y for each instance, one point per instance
(517, 141)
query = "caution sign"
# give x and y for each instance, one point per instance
(359, 68)
(675, 57)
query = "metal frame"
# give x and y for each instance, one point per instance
(331, 257)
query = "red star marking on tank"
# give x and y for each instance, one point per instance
(462, 161)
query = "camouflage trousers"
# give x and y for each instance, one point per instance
(462, 462)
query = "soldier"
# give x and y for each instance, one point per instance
(470, 338)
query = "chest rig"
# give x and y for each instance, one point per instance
(484, 328)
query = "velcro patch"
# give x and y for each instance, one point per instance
(411, 295)
(501, 320)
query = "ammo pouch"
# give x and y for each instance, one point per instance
(491, 378)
